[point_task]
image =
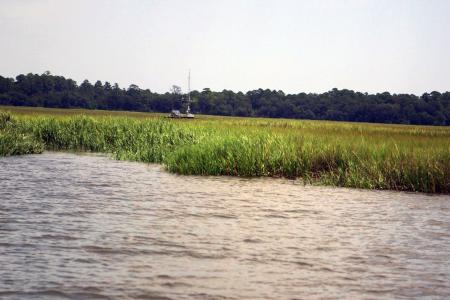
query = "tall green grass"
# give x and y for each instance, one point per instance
(16, 142)
(372, 156)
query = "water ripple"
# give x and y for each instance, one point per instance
(87, 227)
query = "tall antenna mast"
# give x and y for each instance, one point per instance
(189, 92)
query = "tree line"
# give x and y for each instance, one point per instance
(47, 90)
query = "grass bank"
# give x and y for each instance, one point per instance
(371, 156)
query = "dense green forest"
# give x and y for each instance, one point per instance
(341, 105)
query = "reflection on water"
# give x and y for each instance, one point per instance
(87, 227)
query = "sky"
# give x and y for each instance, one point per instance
(400, 46)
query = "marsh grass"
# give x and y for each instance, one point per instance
(16, 142)
(371, 156)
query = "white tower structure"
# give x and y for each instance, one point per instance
(188, 110)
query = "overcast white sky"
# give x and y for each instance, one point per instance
(400, 46)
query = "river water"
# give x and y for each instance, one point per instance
(88, 227)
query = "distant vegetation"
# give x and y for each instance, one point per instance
(47, 90)
(371, 156)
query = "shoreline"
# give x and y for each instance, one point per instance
(283, 180)
(377, 158)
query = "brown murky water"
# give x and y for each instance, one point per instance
(87, 227)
